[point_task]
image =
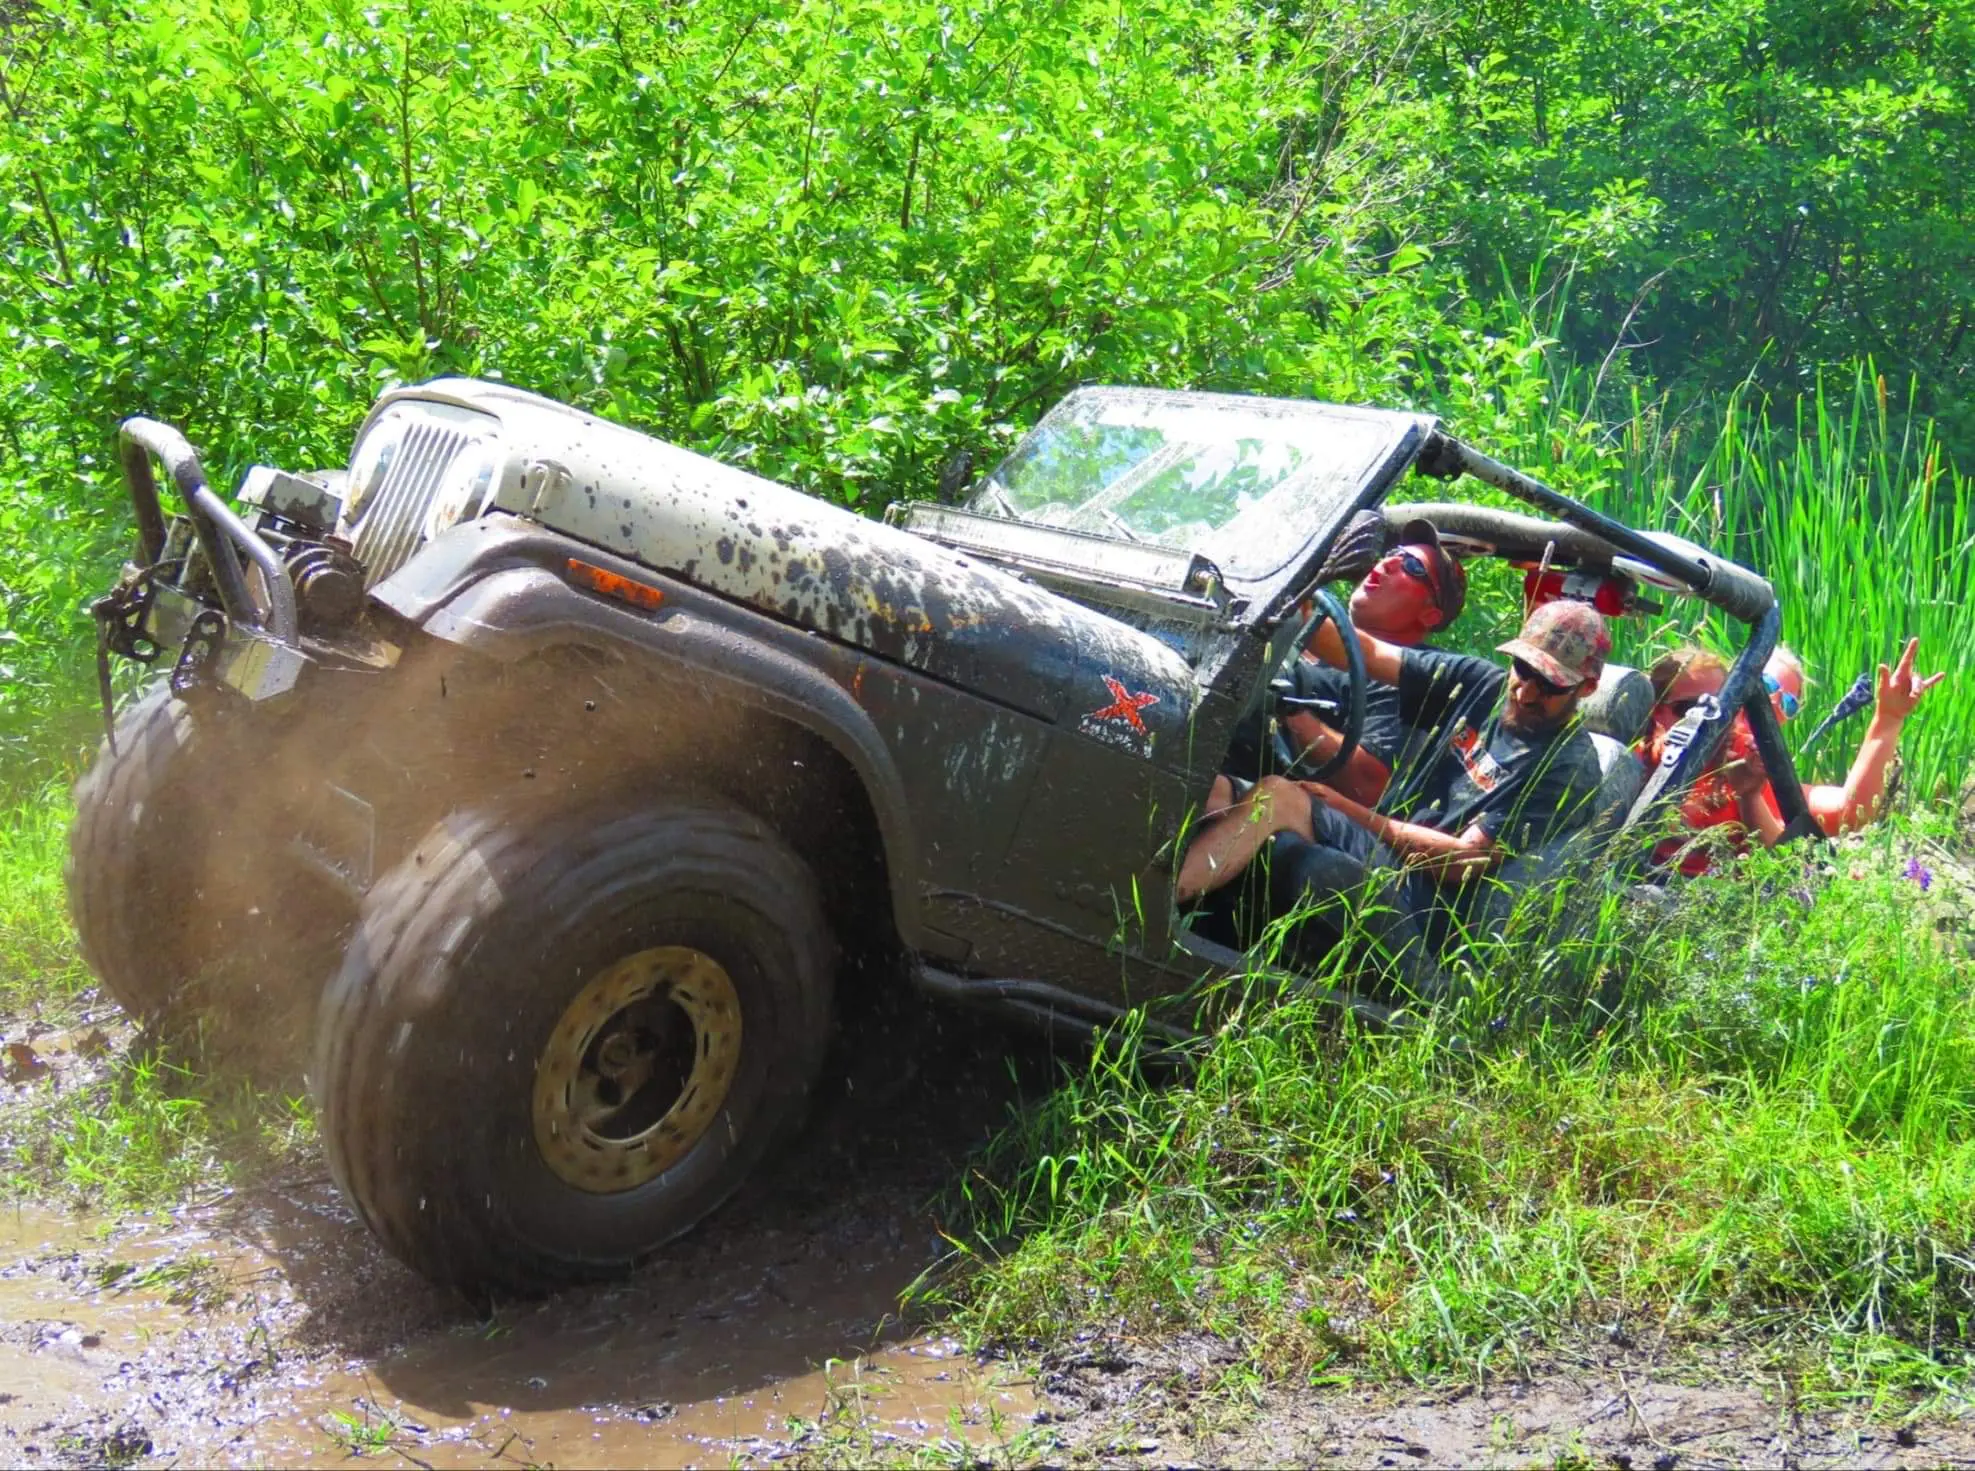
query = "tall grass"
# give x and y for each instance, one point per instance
(1855, 515)
(1766, 1131)
(38, 959)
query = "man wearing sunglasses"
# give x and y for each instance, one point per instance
(1415, 590)
(1508, 770)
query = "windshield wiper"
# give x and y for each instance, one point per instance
(1118, 525)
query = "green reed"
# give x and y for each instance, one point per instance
(1743, 1115)
(1859, 521)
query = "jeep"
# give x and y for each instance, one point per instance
(573, 771)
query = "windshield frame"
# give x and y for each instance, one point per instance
(1315, 496)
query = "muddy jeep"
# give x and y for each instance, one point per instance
(574, 771)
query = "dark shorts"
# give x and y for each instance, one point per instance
(1354, 856)
(1335, 830)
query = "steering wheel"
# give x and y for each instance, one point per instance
(1328, 606)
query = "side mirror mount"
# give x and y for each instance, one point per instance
(956, 475)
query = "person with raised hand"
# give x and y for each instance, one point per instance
(1736, 791)
(1846, 808)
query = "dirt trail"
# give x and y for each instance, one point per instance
(265, 1326)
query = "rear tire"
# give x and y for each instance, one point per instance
(558, 1041)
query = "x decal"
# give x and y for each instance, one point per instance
(1124, 705)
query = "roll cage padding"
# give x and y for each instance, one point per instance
(1715, 579)
(517, 607)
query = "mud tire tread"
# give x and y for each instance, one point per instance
(422, 922)
(122, 897)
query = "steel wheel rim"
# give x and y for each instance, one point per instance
(608, 1114)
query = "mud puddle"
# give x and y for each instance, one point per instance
(264, 1326)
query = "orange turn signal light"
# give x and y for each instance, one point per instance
(615, 585)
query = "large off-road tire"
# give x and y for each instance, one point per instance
(144, 850)
(558, 1041)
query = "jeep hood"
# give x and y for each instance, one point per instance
(819, 566)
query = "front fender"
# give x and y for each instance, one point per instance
(497, 587)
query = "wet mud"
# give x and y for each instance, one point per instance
(264, 1326)
(1122, 1402)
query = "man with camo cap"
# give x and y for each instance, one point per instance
(1509, 769)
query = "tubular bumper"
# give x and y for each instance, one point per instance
(223, 536)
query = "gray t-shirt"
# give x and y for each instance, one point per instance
(1521, 790)
(1384, 733)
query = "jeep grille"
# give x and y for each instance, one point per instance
(393, 524)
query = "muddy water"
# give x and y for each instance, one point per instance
(265, 1327)
(181, 1335)
(676, 1368)
(913, 1392)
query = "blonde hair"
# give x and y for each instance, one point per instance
(1687, 659)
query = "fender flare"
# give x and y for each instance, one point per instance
(517, 608)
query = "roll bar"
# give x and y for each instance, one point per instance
(1735, 590)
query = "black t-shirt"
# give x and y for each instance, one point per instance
(1384, 733)
(1251, 756)
(1521, 790)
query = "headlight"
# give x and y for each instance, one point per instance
(468, 483)
(371, 463)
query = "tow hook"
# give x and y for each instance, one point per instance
(119, 616)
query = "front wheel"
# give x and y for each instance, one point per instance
(558, 1041)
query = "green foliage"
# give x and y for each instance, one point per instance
(835, 242)
(829, 241)
(38, 960)
(1762, 187)
(1767, 1129)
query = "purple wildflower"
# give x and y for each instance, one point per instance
(1920, 873)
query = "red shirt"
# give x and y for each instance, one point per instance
(1710, 802)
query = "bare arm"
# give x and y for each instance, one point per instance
(1853, 805)
(1753, 803)
(1447, 858)
(1381, 658)
(1841, 809)
(1761, 816)
(1363, 777)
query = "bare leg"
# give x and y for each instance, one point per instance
(1227, 843)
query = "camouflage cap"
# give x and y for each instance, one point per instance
(1564, 641)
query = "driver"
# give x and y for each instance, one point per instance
(1415, 590)
(1509, 769)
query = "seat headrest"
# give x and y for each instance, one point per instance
(1620, 705)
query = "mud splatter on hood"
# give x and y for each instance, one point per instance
(824, 568)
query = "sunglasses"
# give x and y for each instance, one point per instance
(1416, 567)
(1789, 702)
(1529, 674)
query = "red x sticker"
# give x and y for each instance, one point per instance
(1118, 724)
(1124, 705)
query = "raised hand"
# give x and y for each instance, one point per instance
(1900, 689)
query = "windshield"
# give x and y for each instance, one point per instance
(1244, 482)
